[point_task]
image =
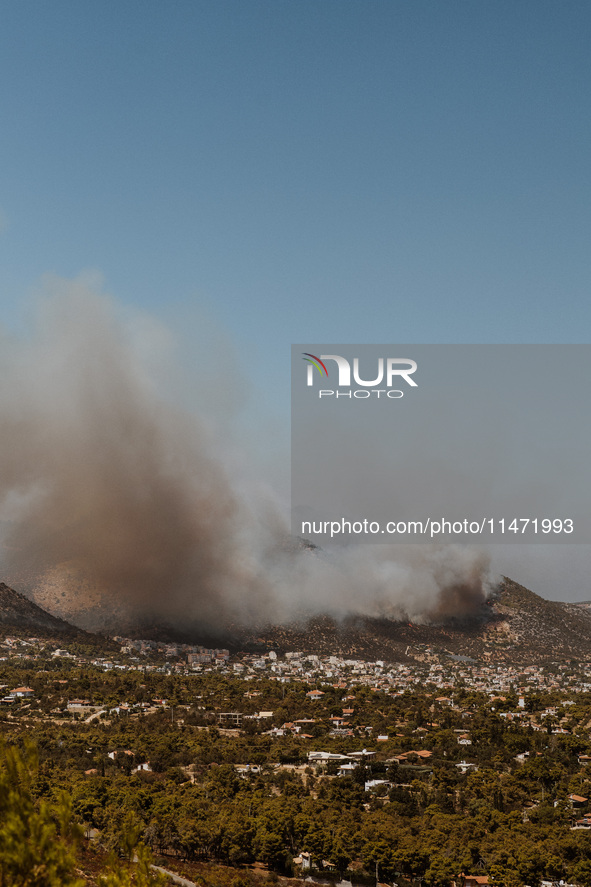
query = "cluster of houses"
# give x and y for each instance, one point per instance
(442, 670)
(17, 694)
(193, 653)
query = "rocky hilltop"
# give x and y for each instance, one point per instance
(19, 615)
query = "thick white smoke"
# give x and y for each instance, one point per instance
(110, 492)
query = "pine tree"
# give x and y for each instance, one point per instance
(37, 843)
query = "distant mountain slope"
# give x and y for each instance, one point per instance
(546, 628)
(20, 615)
(513, 626)
(516, 625)
(62, 591)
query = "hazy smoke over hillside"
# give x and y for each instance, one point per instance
(100, 471)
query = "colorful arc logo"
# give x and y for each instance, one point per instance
(315, 361)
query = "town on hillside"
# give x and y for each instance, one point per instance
(240, 768)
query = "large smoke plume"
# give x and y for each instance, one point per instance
(103, 479)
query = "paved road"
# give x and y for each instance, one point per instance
(94, 716)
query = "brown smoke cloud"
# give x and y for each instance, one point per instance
(108, 484)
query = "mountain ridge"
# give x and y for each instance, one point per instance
(19, 614)
(514, 625)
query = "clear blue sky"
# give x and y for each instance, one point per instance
(305, 171)
(334, 170)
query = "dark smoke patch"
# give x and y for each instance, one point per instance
(463, 601)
